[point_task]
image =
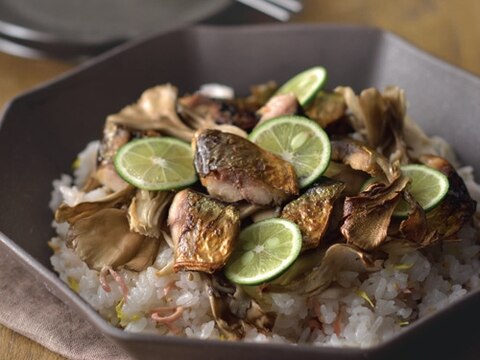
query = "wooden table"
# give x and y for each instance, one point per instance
(449, 29)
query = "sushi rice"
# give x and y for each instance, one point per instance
(357, 310)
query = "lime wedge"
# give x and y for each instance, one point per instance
(264, 251)
(298, 140)
(305, 85)
(428, 187)
(161, 163)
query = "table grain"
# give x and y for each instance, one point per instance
(449, 29)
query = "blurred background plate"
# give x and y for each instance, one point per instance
(72, 28)
(38, 50)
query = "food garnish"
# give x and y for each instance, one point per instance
(264, 250)
(403, 267)
(427, 186)
(298, 140)
(365, 297)
(305, 85)
(160, 163)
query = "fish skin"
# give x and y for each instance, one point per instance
(203, 230)
(233, 169)
(457, 208)
(311, 211)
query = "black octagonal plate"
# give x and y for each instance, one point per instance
(43, 130)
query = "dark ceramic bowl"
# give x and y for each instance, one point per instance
(43, 130)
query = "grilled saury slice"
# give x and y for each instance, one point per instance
(311, 211)
(457, 208)
(203, 231)
(233, 168)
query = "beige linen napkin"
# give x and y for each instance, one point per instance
(29, 309)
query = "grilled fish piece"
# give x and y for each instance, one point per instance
(278, 105)
(457, 208)
(114, 136)
(311, 211)
(220, 111)
(232, 169)
(203, 231)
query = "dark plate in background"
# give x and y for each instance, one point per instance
(71, 28)
(44, 129)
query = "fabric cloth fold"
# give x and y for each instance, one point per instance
(29, 309)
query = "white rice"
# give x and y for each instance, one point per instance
(355, 311)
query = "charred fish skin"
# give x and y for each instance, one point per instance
(203, 230)
(233, 169)
(221, 111)
(311, 211)
(457, 208)
(114, 136)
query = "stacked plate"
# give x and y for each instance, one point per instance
(72, 29)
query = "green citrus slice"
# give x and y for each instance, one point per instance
(305, 85)
(428, 186)
(264, 251)
(298, 140)
(160, 163)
